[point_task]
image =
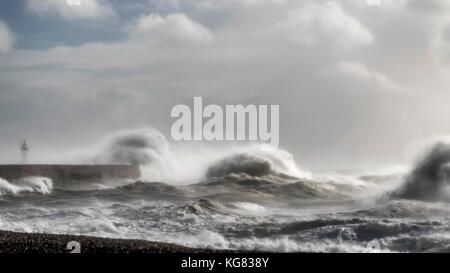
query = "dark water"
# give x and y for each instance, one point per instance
(250, 201)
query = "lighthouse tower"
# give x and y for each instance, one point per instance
(24, 152)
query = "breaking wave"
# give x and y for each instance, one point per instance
(138, 147)
(242, 198)
(246, 173)
(161, 161)
(240, 163)
(204, 208)
(146, 147)
(257, 164)
(430, 179)
(33, 184)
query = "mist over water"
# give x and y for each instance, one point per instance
(430, 178)
(238, 197)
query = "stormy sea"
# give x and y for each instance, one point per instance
(247, 197)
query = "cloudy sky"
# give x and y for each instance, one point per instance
(357, 84)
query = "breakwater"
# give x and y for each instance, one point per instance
(64, 173)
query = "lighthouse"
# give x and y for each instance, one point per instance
(24, 152)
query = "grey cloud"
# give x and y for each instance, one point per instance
(71, 9)
(72, 95)
(433, 6)
(7, 37)
(310, 22)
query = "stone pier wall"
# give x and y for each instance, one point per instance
(64, 173)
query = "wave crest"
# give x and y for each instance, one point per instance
(139, 147)
(33, 184)
(240, 164)
(430, 177)
(257, 163)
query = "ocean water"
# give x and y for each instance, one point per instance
(247, 198)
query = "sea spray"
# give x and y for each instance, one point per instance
(430, 177)
(177, 164)
(32, 184)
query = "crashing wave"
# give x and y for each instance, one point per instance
(270, 176)
(430, 177)
(203, 208)
(145, 147)
(181, 164)
(137, 147)
(33, 184)
(255, 164)
(240, 164)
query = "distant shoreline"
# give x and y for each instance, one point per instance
(37, 243)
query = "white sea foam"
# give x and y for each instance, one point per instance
(177, 164)
(32, 184)
(249, 207)
(241, 197)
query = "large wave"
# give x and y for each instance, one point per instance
(186, 164)
(240, 163)
(138, 147)
(145, 147)
(430, 179)
(257, 163)
(234, 172)
(32, 184)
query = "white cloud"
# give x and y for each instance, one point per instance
(132, 82)
(176, 27)
(7, 38)
(88, 9)
(314, 22)
(359, 70)
(218, 4)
